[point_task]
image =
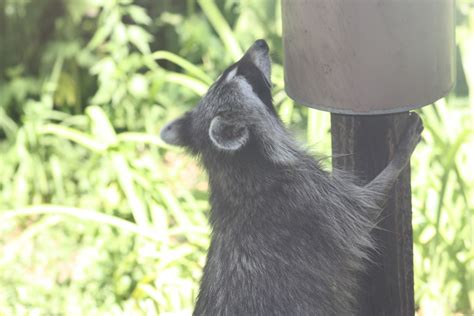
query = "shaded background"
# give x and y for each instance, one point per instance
(98, 216)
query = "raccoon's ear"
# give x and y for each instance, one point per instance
(227, 133)
(173, 132)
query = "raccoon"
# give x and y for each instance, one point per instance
(288, 237)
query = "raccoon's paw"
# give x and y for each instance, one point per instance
(411, 137)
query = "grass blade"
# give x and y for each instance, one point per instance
(85, 214)
(125, 180)
(73, 135)
(183, 63)
(222, 28)
(186, 81)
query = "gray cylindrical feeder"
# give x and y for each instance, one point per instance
(356, 59)
(368, 56)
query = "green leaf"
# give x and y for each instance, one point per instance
(140, 38)
(138, 86)
(138, 14)
(102, 128)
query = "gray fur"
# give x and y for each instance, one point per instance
(288, 238)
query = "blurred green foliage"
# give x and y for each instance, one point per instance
(98, 216)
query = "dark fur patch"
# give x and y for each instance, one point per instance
(257, 80)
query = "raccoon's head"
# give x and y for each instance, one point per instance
(236, 115)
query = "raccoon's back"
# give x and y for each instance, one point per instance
(296, 250)
(285, 242)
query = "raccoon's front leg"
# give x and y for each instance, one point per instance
(383, 183)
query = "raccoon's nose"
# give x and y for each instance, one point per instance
(261, 44)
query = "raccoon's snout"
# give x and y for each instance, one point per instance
(166, 134)
(259, 54)
(262, 44)
(259, 48)
(170, 134)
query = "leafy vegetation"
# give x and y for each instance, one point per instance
(98, 216)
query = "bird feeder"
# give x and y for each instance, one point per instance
(369, 62)
(368, 56)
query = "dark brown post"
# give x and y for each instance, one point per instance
(363, 145)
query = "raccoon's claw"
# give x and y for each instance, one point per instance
(414, 129)
(410, 138)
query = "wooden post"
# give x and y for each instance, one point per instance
(365, 144)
